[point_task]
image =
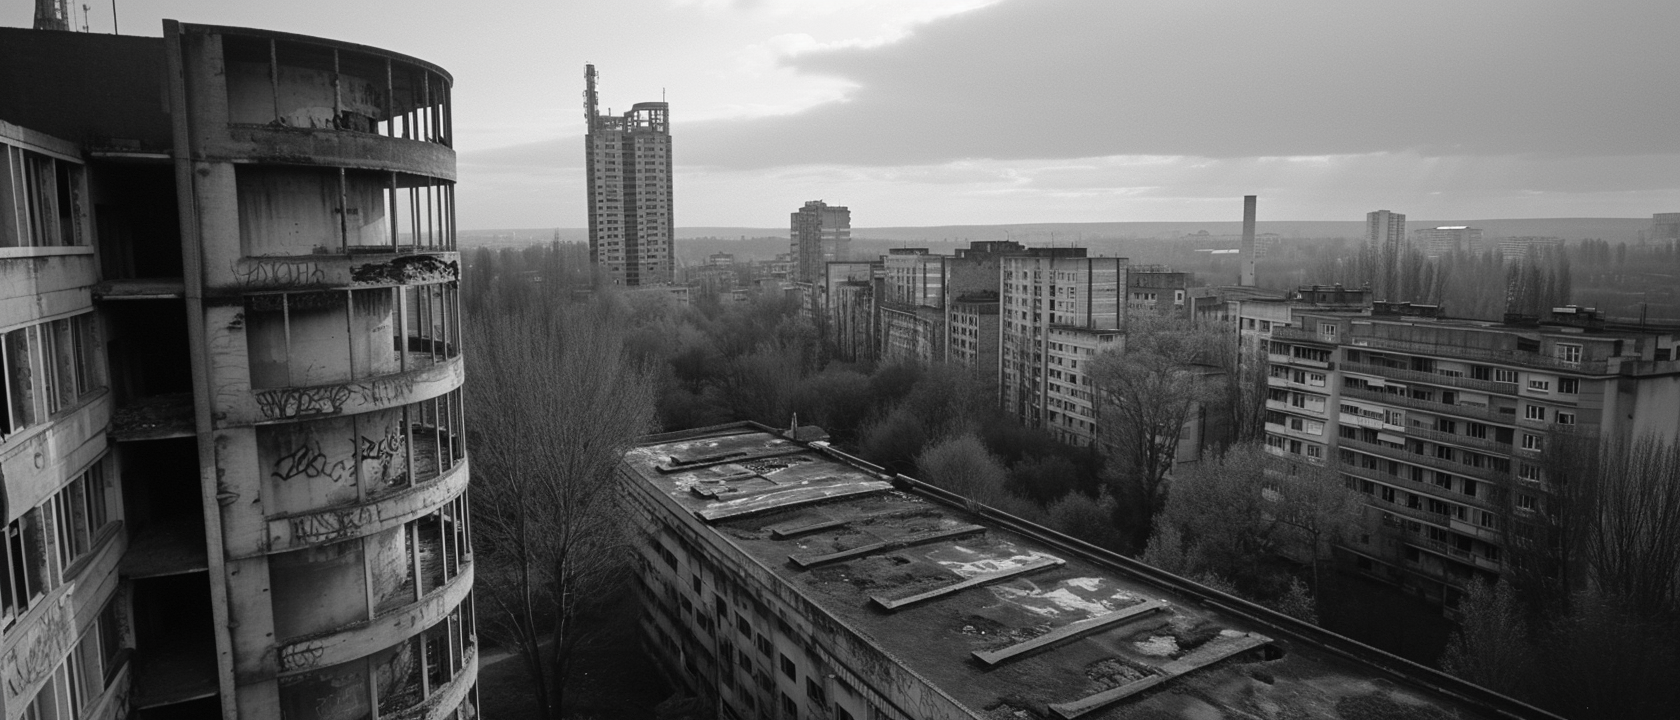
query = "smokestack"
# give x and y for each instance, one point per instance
(1248, 241)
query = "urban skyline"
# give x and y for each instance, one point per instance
(832, 474)
(755, 77)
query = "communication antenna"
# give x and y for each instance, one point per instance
(589, 101)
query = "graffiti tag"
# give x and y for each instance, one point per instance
(302, 402)
(269, 275)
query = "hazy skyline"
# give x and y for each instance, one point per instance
(974, 111)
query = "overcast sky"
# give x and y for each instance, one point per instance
(924, 112)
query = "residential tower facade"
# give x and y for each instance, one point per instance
(628, 169)
(235, 455)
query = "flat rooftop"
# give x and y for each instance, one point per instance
(1013, 620)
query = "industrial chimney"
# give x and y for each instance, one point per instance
(1248, 241)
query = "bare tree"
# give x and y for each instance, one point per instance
(553, 406)
(1633, 542)
(1147, 393)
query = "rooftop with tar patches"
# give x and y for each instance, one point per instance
(1013, 620)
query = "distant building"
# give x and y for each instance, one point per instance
(1158, 288)
(628, 167)
(852, 310)
(1447, 239)
(1515, 248)
(780, 578)
(818, 234)
(1058, 310)
(913, 306)
(1665, 227)
(1385, 234)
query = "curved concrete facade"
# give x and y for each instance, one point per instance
(317, 207)
(231, 433)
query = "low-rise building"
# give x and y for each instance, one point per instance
(782, 579)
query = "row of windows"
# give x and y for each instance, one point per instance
(75, 517)
(390, 683)
(40, 200)
(47, 367)
(84, 675)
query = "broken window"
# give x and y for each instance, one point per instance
(42, 200)
(345, 335)
(81, 513)
(24, 556)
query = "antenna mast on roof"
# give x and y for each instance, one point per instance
(589, 103)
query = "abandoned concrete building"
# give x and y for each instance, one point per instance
(232, 441)
(781, 578)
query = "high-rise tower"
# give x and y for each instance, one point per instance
(818, 233)
(629, 170)
(1385, 233)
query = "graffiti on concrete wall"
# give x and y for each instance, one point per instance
(385, 458)
(298, 656)
(257, 274)
(288, 403)
(309, 462)
(334, 525)
(39, 651)
(387, 389)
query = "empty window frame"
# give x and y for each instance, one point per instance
(42, 200)
(346, 335)
(47, 369)
(25, 560)
(81, 511)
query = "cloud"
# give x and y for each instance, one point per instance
(1080, 78)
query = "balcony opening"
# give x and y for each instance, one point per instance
(151, 370)
(174, 644)
(139, 225)
(163, 507)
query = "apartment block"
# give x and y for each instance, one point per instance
(628, 167)
(1665, 227)
(1255, 315)
(1447, 239)
(1058, 309)
(818, 233)
(233, 447)
(1385, 235)
(851, 313)
(1157, 288)
(1513, 249)
(1442, 423)
(913, 306)
(780, 578)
